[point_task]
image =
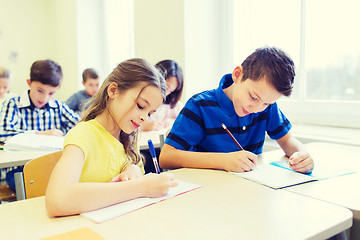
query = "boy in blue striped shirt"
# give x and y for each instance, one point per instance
(36, 111)
(246, 103)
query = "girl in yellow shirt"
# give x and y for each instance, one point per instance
(101, 164)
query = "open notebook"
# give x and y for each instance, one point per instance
(278, 174)
(119, 209)
(29, 142)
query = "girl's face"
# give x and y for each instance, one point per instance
(131, 108)
(171, 85)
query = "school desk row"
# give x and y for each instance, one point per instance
(227, 206)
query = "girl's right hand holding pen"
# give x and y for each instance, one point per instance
(240, 161)
(156, 185)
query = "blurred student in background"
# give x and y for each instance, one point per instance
(167, 112)
(79, 101)
(5, 86)
(165, 115)
(36, 111)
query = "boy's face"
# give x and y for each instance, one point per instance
(40, 94)
(250, 96)
(91, 86)
(4, 87)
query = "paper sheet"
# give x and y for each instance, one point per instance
(119, 209)
(275, 177)
(34, 142)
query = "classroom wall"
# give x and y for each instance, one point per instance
(26, 34)
(34, 30)
(40, 29)
(72, 34)
(159, 30)
(64, 22)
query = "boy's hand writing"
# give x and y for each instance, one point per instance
(301, 162)
(131, 172)
(156, 185)
(241, 161)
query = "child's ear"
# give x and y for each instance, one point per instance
(237, 74)
(112, 90)
(28, 81)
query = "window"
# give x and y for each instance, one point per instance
(321, 38)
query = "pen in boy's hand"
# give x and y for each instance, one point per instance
(228, 132)
(153, 155)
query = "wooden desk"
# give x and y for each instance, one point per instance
(157, 137)
(342, 190)
(14, 159)
(226, 207)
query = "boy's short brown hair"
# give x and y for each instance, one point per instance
(4, 73)
(89, 73)
(272, 63)
(46, 72)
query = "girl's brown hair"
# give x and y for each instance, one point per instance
(170, 68)
(127, 75)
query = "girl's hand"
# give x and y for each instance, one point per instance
(241, 161)
(131, 172)
(156, 185)
(301, 162)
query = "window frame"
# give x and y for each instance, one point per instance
(301, 110)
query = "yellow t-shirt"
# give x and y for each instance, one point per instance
(104, 155)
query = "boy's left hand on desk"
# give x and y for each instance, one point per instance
(301, 162)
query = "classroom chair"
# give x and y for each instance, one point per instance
(37, 173)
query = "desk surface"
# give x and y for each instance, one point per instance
(226, 207)
(335, 190)
(13, 159)
(153, 135)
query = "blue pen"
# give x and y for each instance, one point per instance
(153, 155)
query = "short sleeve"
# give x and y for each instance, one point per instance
(188, 128)
(277, 124)
(77, 137)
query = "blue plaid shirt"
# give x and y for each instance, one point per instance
(18, 114)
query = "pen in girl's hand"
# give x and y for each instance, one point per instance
(153, 155)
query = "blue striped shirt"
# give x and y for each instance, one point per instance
(198, 126)
(18, 114)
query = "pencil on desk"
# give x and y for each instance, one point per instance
(228, 132)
